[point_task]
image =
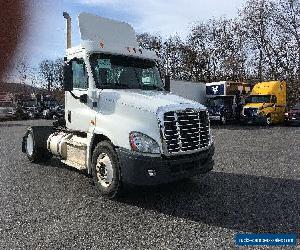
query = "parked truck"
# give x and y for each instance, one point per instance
(266, 103)
(224, 100)
(121, 126)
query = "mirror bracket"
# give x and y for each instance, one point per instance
(83, 98)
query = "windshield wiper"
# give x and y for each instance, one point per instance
(123, 86)
(152, 87)
(114, 86)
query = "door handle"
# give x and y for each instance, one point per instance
(69, 116)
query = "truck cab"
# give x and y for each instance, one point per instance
(266, 103)
(224, 100)
(121, 126)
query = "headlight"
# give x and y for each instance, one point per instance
(211, 138)
(286, 114)
(142, 143)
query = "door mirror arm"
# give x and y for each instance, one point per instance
(82, 98)
(74, 96)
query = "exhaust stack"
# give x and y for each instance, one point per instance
(68, 30)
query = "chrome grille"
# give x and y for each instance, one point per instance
(250, 112)
(185, 130)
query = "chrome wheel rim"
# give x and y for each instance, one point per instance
(29, 144)
(104, 170)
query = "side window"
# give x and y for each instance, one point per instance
(80, 77)
(149, 77)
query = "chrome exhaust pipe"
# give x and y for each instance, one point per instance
(68, 30)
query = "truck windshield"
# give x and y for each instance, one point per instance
(121, 72)
(212, 102)
(259, 99)
(219, 101)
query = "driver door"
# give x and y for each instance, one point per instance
(78, 114)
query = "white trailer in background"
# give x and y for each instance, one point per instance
(195, 91)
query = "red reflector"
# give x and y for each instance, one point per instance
(132, 142)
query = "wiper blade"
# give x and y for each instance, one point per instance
(153, 87)
(115, 86)
(124, 85)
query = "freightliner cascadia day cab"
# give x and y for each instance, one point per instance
(266, 103)
(224, 100)
(121, 126)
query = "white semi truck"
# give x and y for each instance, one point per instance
(121, 126)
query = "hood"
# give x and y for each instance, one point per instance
(253, 105)
(146, 100)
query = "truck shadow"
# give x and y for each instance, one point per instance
(234, 201)
(8, 125)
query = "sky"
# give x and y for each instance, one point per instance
(45, 32)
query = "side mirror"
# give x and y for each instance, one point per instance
(167, 83)
(68, 77)
(83, 98)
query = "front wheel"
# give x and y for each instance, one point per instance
(106, 170)
(223, 119)
(269, 121)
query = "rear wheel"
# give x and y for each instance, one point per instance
(106, 170)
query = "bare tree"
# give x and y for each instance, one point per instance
(34, 77)
(22, 70)
(256, 19)
(58, 69)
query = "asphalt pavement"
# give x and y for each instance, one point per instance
(254, 187)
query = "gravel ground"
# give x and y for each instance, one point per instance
(255, 187)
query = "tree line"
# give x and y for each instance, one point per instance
(262, 43)
(48, 74)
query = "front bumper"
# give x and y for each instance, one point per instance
(215, 117)
(135, 168)
(258, 119)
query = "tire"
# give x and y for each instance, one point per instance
(106, 172)
(34, 153)
(269, 121)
